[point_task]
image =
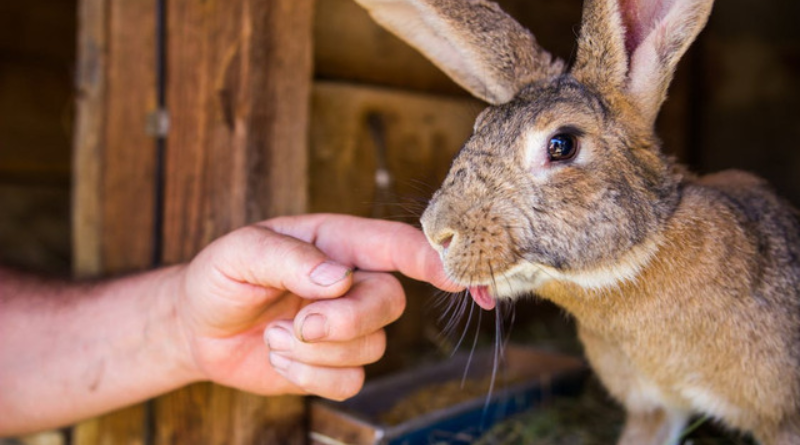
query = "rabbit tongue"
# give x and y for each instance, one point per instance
(482, 296)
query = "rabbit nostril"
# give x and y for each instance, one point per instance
(446, 241)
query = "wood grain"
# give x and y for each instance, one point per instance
(114, 164)
(422, 134)
(239, 83)
(129, 158)
(89, 137)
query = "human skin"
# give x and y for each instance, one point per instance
(292, 305)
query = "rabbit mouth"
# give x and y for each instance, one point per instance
(522, 279)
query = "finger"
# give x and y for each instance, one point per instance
(331, 383)
(369, 244)
(358, 352)
(259, 256)
(374, 301)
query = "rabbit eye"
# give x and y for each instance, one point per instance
(562, 147)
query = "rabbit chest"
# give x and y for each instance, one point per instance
(709, 323)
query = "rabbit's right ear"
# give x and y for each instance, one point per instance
(633, 46)
(477, 44)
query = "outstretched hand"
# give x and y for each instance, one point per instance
(290, 305)
(298, 304)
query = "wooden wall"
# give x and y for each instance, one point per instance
(235, 152)
(256, 133)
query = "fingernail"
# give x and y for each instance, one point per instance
(329, 273)
(278, 339)
(279, 362)
(315, 327)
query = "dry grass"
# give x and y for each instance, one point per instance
(591, 419)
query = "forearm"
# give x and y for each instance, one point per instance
(72, 351)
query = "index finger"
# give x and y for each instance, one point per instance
(369, 244)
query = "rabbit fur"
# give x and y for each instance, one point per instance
(684, 288)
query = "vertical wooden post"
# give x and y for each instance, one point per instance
(238, 92)
(89, 140)
(113, 163)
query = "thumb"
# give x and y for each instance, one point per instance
(259, 256)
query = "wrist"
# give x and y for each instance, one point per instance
(166, 312)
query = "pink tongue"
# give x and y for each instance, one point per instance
(481, 296)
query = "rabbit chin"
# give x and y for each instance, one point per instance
(526, 278)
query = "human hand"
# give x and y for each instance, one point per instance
(290, 282)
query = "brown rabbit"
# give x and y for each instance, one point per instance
(685, 289)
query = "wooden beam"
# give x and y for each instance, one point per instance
(130, 156)
(114, 163)
(238, 91)
(89, 136)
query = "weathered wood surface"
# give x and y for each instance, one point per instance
(239, 85)
(114, 164)
(422, 134)
(89, 137)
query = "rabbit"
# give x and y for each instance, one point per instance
(684, 288)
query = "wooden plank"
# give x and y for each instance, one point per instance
(114, 164)
(238, 89)
(421, 134)
(129, 157)
(89, 136)
(349, 45)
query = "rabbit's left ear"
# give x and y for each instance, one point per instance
(473, 41)
(633, 46)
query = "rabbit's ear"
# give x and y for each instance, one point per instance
(633, 46)
(477, 44)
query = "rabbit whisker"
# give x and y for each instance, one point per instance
(472, 351)
(467, 325)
